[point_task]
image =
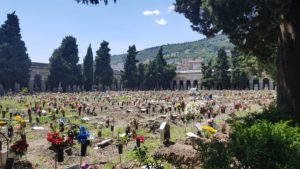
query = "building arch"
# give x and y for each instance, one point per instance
(174, 86)
(255, 84)
(195, 83)
(181, 87)
(188, 84)
(266, 83)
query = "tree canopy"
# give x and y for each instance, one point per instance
(88, 69)
(103, 71)
(265, 29)
(129, 76)
(63, 65)
(14, 61)
(94, 2)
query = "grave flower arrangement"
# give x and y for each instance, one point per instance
(82, 138)
(237, 104)
(191, 110)
(141, 138)
(55, 138)
(58, 143)
(19, 147)
(208, 130)
(223, 127)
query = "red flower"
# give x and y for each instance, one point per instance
(141, 138)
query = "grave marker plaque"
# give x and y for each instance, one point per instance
(164, 131)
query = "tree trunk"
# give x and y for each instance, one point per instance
(288, 61)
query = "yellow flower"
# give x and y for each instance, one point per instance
(210, 129)
(19, 119)
(2, 122)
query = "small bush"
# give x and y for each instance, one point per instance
(272, 114)
(214, 154)
(265, 145)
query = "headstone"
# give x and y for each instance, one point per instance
(165, 133)
(104, 143)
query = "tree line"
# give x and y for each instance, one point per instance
(229, 72)
(66, 74)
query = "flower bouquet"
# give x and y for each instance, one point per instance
(82, 138)
(208, 130)
(58, 143)
(19, 147)
(223, 128)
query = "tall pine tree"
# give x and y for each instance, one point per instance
(141, 75)
(88, 69)
(240, 73)
(160, 65)
(14, 61)
(63, 65)
(221, 70)
(129, 76)
(103, 71)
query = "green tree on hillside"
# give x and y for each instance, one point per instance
(103, 72)
(88, 69)
(63, 65)
(129, 76)
(14, 61)
(265, 29)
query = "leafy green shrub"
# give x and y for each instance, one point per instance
(214, 154)
(272, 114)
(265, 145)
(141, 154)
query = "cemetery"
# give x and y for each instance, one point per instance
(118, 129)
(140, 84)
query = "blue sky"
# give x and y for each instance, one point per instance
(145, 23)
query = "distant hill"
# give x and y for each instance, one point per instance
(173, 53)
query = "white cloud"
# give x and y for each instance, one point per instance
(171, 8)
(154, 12)
(161, 22)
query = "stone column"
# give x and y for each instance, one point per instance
(251, 84)
(261, 87)
(184, 85)
(271, 85)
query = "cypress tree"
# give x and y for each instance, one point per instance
(88, 70)
(14, 61)
(141, 75)
(103, 71)
(129, 76)
(221, 70)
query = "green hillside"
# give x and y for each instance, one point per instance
(204, 48)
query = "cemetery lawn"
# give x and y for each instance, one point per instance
(121, 108)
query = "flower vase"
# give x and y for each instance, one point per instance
(60, 154)
(120, 148)
(83, 149)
